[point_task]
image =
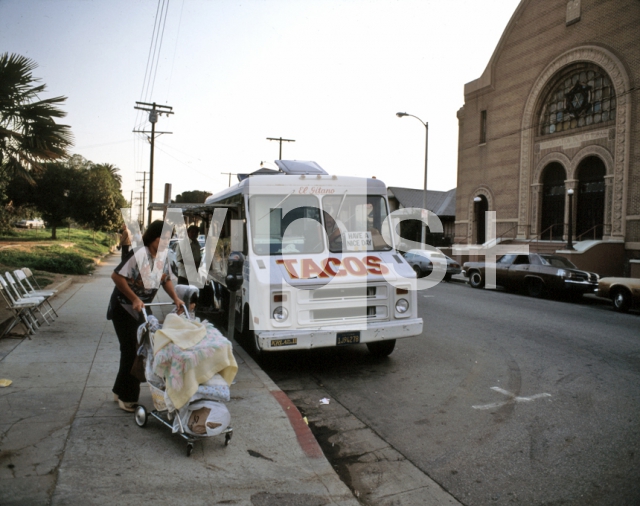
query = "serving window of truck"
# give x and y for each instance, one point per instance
(317, 266)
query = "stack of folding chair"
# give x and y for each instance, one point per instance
(22, 277)
(24, 303)
(22, 308)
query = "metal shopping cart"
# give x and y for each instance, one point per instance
(161, 411)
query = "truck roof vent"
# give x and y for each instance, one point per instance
(297, 167)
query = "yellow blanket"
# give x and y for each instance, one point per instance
(184, 369)
(180, 331)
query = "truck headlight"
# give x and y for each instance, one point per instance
(402, 306)
(280, 314)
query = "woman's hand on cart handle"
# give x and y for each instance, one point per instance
(138, 305)
(179, 305)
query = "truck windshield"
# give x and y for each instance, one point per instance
(355, 222)
(285, 224)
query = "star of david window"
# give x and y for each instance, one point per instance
(581, 97)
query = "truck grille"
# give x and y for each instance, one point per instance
(348, 304)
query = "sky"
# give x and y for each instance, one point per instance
(329, 74)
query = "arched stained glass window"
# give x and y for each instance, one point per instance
(581, 96)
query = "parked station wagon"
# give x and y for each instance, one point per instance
(536, 274)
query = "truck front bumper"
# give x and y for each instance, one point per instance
(304, 339)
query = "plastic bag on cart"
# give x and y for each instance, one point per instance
(203, 418)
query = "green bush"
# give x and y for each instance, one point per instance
(50, 259)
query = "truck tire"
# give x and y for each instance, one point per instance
(381, 348)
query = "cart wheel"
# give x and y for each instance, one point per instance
(189, 449)
(227, 438)
(141, 416)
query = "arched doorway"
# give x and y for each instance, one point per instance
(480, 206)
(590, 204)
(552, 215)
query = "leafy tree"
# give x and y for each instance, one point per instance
(99, 199)
(29, 135)
(77, 190)
(53, 192)
(113, 171)
(192, 197)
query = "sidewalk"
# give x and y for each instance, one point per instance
(64, 441)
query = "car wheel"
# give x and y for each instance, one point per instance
(416, 269)
(621, 300)
(476, 279)
(447, 277)
(381, 348)
(535, 287)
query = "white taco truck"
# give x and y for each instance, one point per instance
(318, 271)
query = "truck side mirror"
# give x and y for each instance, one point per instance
(235, 265)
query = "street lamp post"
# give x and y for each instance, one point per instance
(423, 239)
(570, 227)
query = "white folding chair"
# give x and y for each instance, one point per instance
(21, 310)
(13, 289)
(28, 291)
(28, 274)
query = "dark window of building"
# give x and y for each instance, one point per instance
(553, 197)
(581, 97)
(483, 127)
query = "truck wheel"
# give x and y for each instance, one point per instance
(621, 300)
(381, 348)
(476, 279)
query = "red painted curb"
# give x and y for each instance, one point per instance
(305, 437)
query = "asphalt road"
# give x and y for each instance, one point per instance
(504, 399)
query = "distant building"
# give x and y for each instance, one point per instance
(556, 109)
(441, 203)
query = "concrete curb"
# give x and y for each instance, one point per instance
(306, 439)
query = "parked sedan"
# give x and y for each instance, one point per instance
(623, 292)
(536, 274)
(421, 260)
(36, 223)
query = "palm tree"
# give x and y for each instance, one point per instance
(28, 133)
(113, 170)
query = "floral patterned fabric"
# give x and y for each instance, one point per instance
(184, 370)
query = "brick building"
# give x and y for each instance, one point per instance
(557, 109)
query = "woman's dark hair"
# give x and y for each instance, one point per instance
(153, 232)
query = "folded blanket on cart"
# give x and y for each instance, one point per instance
(180, 331)
(185, 369)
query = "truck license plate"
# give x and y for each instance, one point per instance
(343, 338)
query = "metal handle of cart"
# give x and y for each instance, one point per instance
(144, 311)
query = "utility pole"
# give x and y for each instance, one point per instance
(281, 140)
(230, 174)
(154, 111)
(144, 193)
(141, 209)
